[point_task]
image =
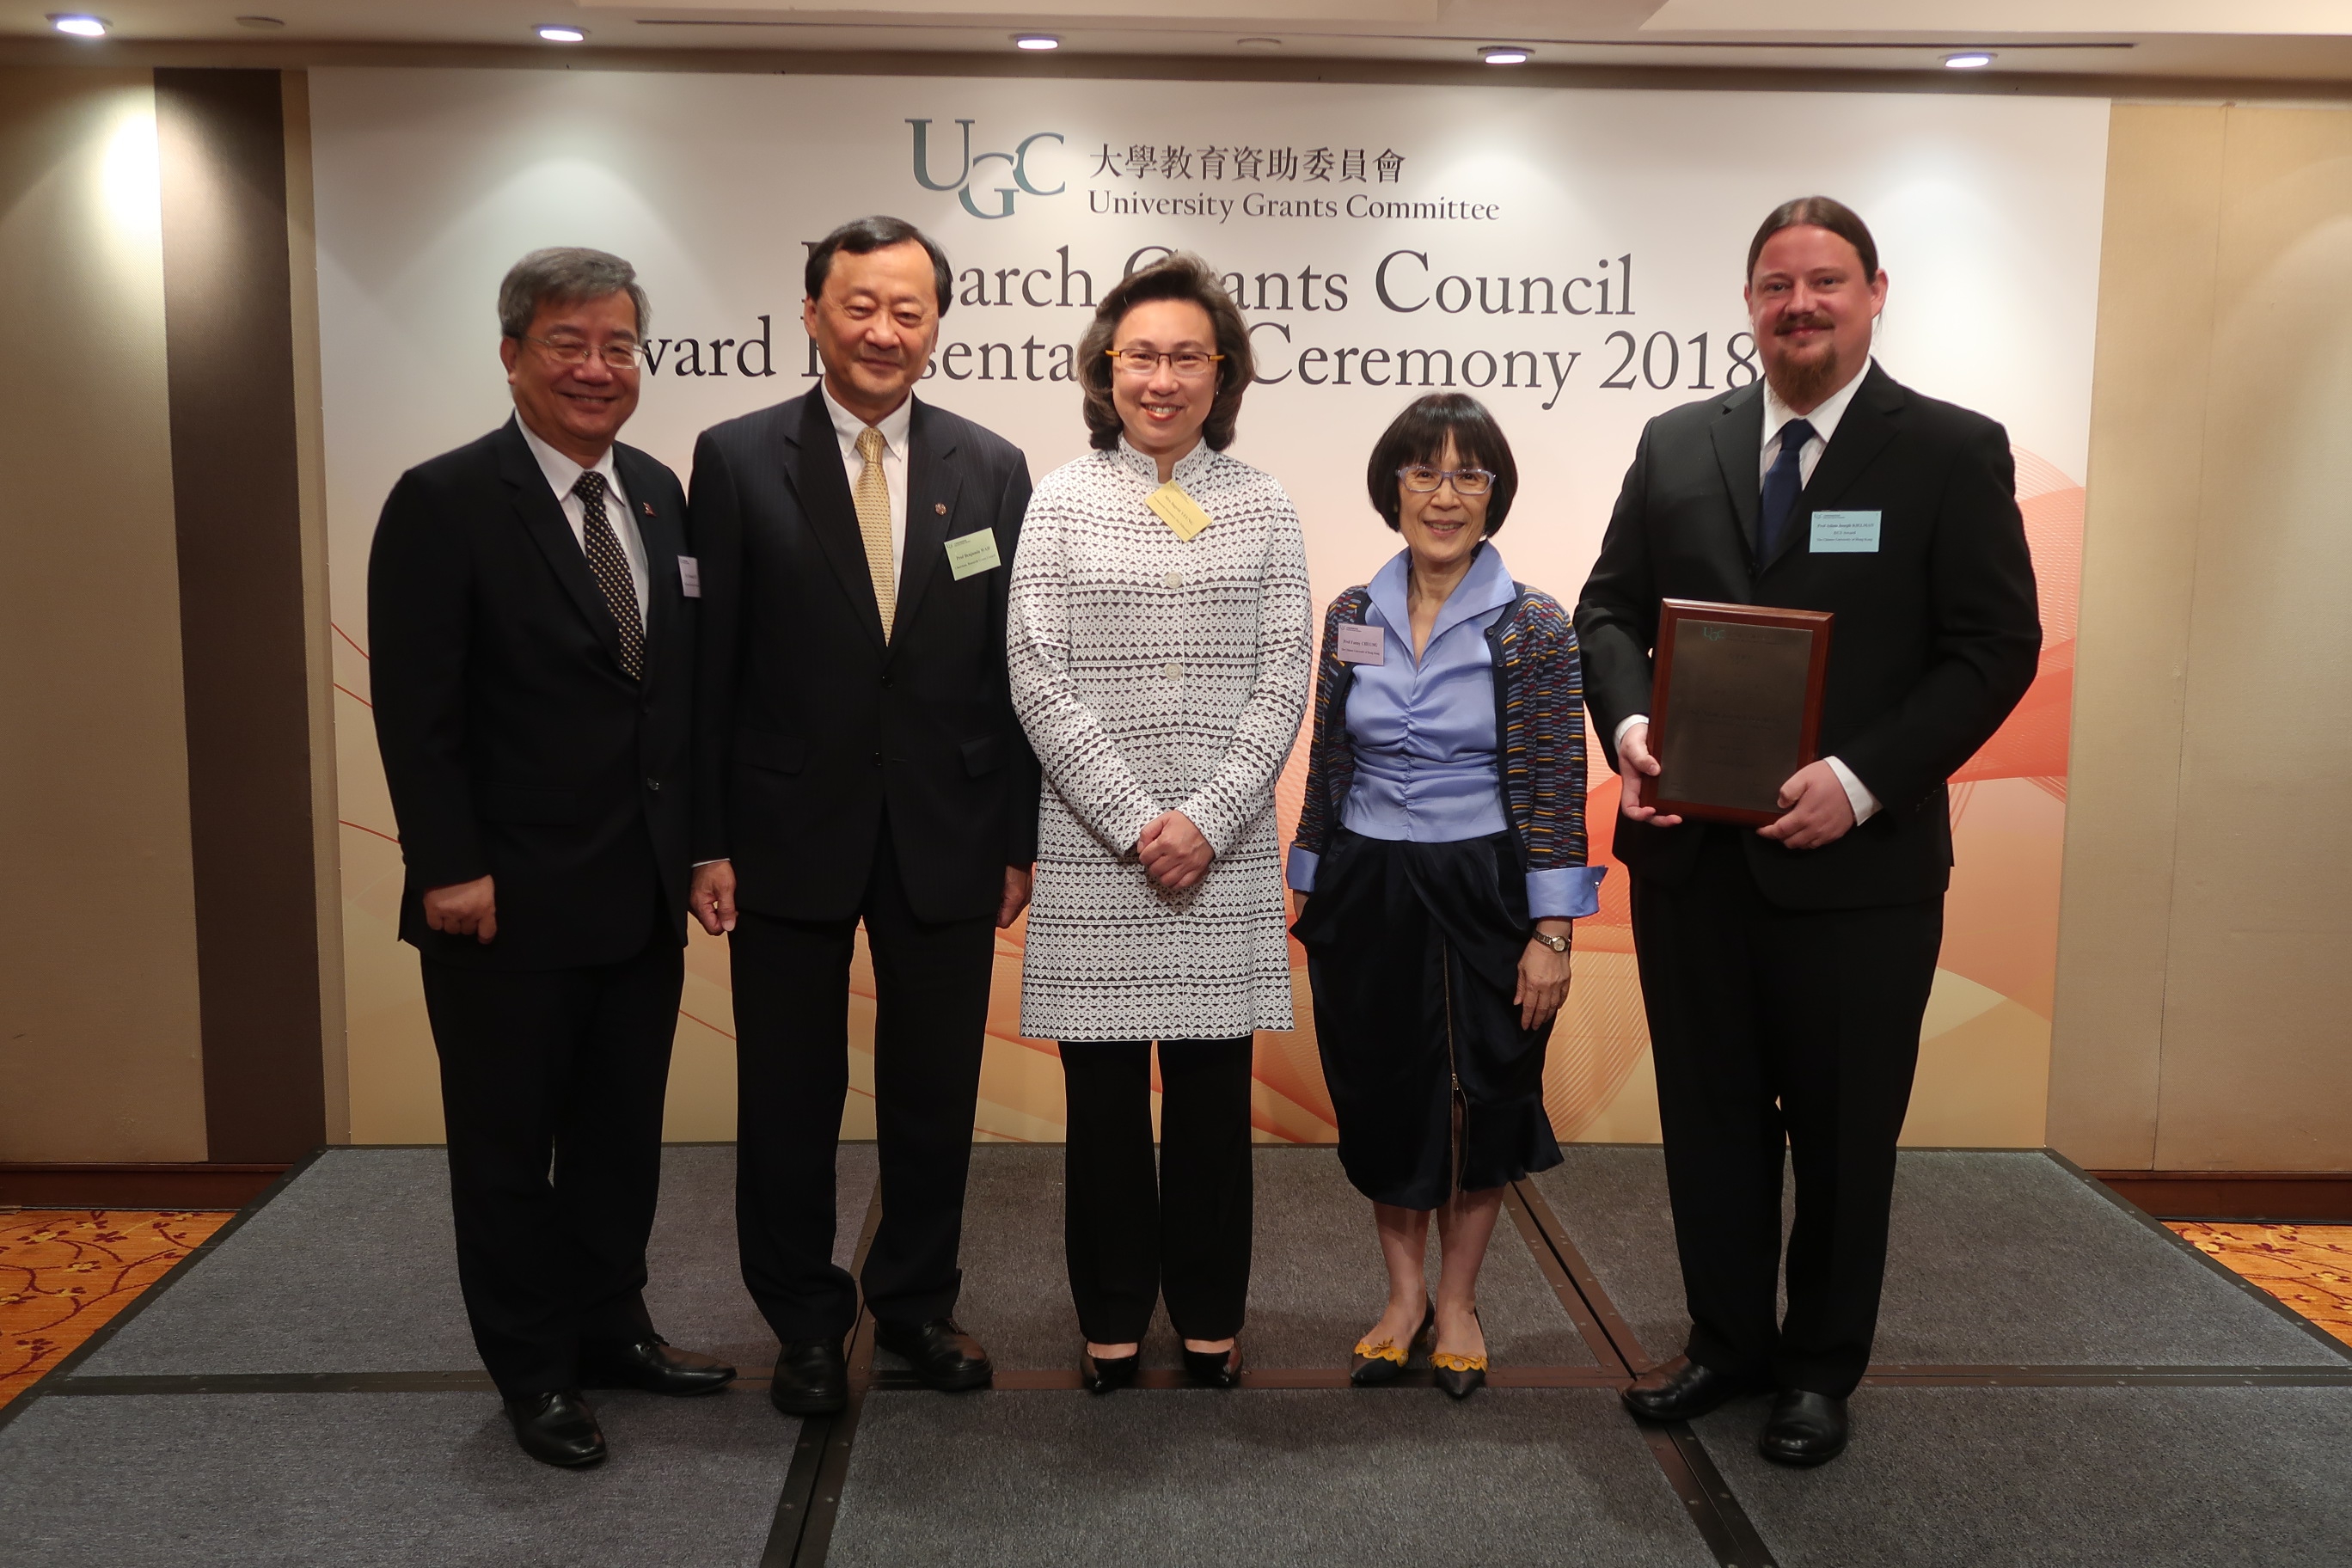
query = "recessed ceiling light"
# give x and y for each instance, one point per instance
(263, 22)
(1038, 41)
(1505, 55)
(1974, 59)
(562, 35)
(79, 27)
(1257, 43)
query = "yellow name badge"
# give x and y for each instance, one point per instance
(970, 552)
(1179, 511)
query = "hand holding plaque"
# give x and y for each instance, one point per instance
(1734, 708)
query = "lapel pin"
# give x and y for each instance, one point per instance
(940, 507)
(648, 506)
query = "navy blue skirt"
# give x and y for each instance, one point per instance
(1412, 950)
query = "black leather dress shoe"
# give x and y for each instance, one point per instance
(812, 1378)
(1806, 1429)
(557, 1429)
(943, 1354)
(1682, 1389)
(653, 1364)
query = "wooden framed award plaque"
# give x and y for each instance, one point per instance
(1735, 707)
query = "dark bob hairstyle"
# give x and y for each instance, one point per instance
(1818, 212)
(1418, 436)
(865, 235)
(1175, 277)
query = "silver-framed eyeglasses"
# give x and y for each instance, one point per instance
(1186, 362)
(620, 356)
(1421, 480)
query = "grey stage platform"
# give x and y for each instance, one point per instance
(2060, 1382)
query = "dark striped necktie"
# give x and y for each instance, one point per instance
(1783, 483)
(610, 562)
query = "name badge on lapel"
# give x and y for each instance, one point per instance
(1845, 533)
(970, 552)
(1176, 508)
(1362, 645)
(689, 576)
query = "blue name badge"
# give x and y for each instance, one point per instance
(1845, 533)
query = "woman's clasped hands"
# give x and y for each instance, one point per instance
(1174, 853)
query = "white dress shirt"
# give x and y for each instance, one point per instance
(848, 427)
(1824, 420)
(563, 473)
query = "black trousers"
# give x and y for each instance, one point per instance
(792, 1021)
(552, 1084)
(1777, 1029)
(1134, 1229)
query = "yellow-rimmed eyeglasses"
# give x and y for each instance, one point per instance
(1421, 480)
(571, 350)
(1143, 361)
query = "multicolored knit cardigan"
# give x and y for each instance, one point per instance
(1538, 713)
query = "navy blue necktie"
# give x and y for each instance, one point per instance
(1782, 483)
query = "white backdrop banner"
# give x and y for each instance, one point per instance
(1573, 257)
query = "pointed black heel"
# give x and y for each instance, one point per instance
(1214, 1369)
(1100, 1375)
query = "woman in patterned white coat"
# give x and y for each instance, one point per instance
(1158, 643)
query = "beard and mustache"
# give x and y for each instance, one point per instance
(1803, 378)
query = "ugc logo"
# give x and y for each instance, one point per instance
(1015, 161)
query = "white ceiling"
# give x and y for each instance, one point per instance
(2277, 41)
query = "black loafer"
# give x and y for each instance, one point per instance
(942, 1355)
(1806, 1429)
(654, 1365)
(1214, 1369)
(1100, 1374)
(1682, 1389)
(558, 1428)
(812, 1378)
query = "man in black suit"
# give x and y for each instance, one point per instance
(857, 760)
(531, 608)
(1785, 970)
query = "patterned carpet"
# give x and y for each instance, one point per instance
(2308, 1266)
(64, 1272)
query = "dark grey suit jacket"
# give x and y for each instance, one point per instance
(514, 744)
(808, 723)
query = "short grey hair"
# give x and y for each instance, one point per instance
(565, 274)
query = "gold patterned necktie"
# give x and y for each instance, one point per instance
(873, 525)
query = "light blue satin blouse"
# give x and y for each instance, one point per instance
(1423, 734)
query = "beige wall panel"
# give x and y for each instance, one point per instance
(98, 1029)
(2255, 1072)
(2139, 553)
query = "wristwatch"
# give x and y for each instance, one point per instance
(1557, 943)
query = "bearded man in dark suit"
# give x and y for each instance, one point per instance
(531, 610)
(858, 763)
(1785, 970)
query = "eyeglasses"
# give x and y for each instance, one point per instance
(1421, 480)
(620, 356)
(1187, 363)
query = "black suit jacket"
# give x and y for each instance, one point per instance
(809, 724)
(1937, 636)
(514, 744)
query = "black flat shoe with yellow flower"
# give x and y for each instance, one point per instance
(1378, 1362)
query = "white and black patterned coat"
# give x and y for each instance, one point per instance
(1153, 674)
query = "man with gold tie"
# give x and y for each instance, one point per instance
(858, 761)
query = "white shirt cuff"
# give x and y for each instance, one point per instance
(1865, 804)
(1618, 738)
